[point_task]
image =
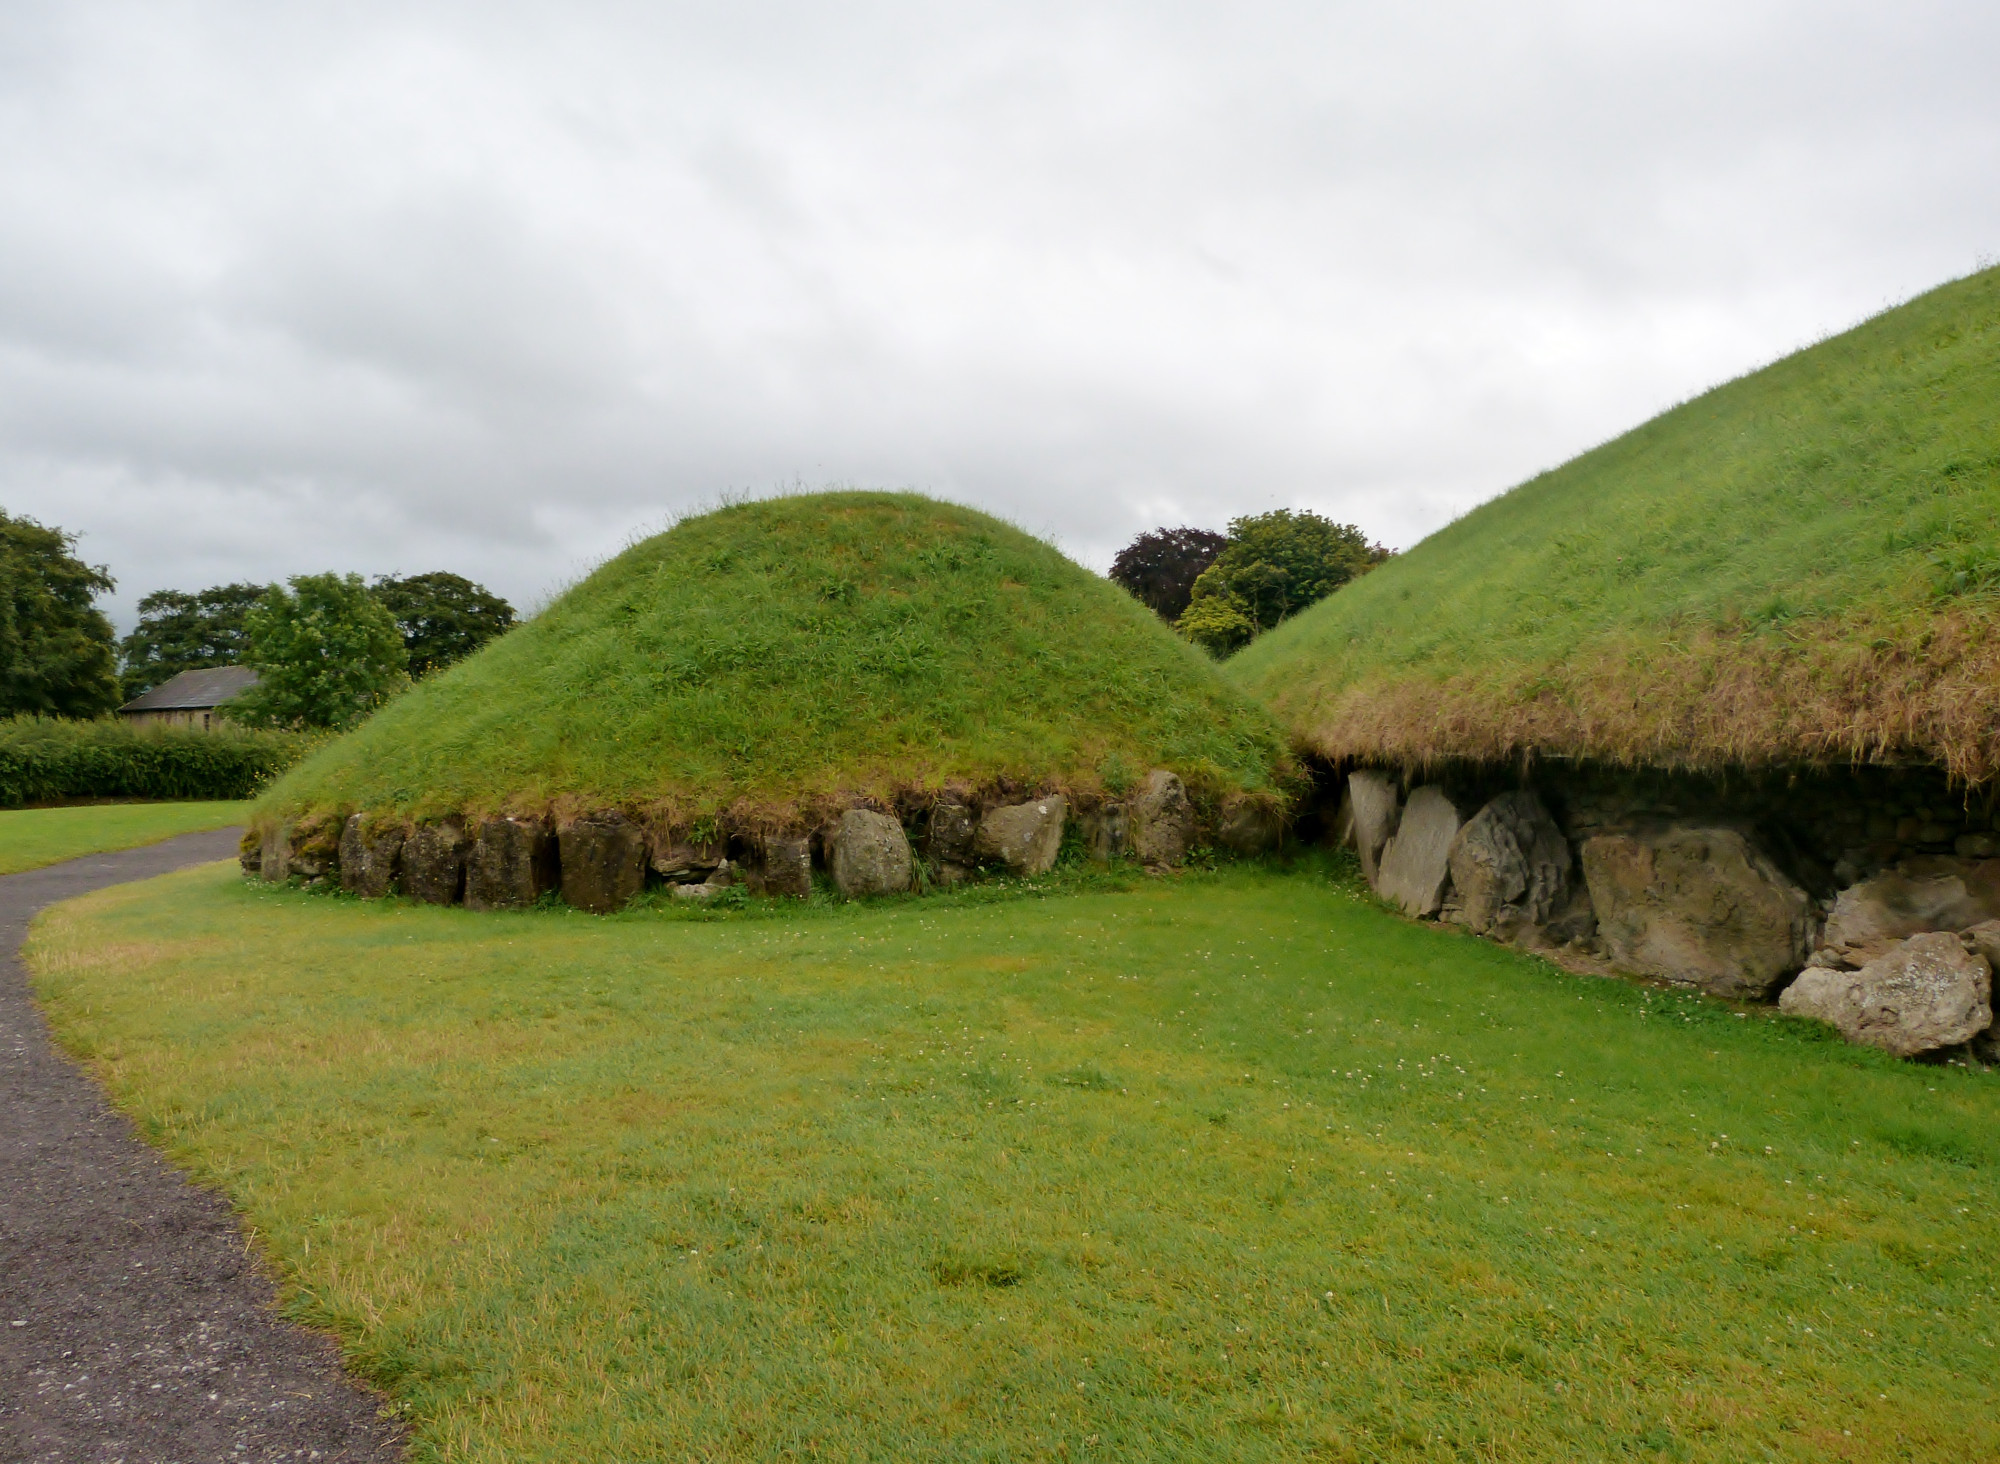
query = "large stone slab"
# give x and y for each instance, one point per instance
(1924, 993)
(434, 863)
(1159, 820)
(1107, 832)
(787, 866)
(950, 840)
(602, 858)
(1416, 862)
(370, 857)
(1698, 904)
(868, 854)
(1917, 895)
(1374, 808)
(274, 858)
(1511, 867)
(1026, 837)
(512, 863)
(1249, 825)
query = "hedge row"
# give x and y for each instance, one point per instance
(46, 759)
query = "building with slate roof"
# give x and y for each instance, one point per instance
(191, 699)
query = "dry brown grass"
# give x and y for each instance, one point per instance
(1834, 691)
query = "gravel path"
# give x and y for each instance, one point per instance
(134, 1323)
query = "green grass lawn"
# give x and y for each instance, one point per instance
(1230, 1166)
(33, 837)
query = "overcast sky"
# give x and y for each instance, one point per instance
(491, 288)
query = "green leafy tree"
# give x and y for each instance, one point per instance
(58, 655)
(326, 652)
(1275, 565)
(179, 631)
(443, 617)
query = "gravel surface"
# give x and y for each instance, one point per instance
(135, 1323)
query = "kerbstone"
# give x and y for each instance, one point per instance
(434, 863)
(512, 863)
(1417, 861)
(1918, 895)
(1159, 820)
(869, 854)
(370, 858)
(602, 857)
(1924, 993)
(1511, 867)
(1250, 825)
(1026, 837)
(1373, 809)
(1696, 904)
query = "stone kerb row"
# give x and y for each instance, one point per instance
(599, 861)
(1902, 959)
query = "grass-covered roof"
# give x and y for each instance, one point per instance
(774, 658)
(1802, 565)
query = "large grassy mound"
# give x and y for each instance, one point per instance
(1803, 564)
(771, 658)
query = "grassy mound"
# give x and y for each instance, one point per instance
(1802, 565)
(770, 660)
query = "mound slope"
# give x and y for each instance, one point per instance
(766, 664)
(1802, 565)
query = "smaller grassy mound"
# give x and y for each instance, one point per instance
(1802, 565)
(774, 660)
(33, 837)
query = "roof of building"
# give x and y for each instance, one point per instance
(195, 691)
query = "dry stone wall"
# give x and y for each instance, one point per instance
(599, 861)
(1868, 898)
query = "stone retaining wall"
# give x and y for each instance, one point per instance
(600, 860)
(1867, 897)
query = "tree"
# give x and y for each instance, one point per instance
(1160, 567)
(178, 631)
(1275, 565)
(57, 652)
(326, 653)
(443, 617)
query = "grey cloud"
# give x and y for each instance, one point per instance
(488, 286)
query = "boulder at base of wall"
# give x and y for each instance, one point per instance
(1026, 837)
(1416, 862)
(1375, 810)
(1510, 865)
(1106, 832)
(250, 853)
(369, 857)
(1249, 825)
(787, 866)
(868, 854)
(274, 859)
(511, 864)
(1697, 904)
(1917, 895)
(1922, 994)
(1159, 820)
(602, 857)
(434, 863)
(949, 841)
(719, 879)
